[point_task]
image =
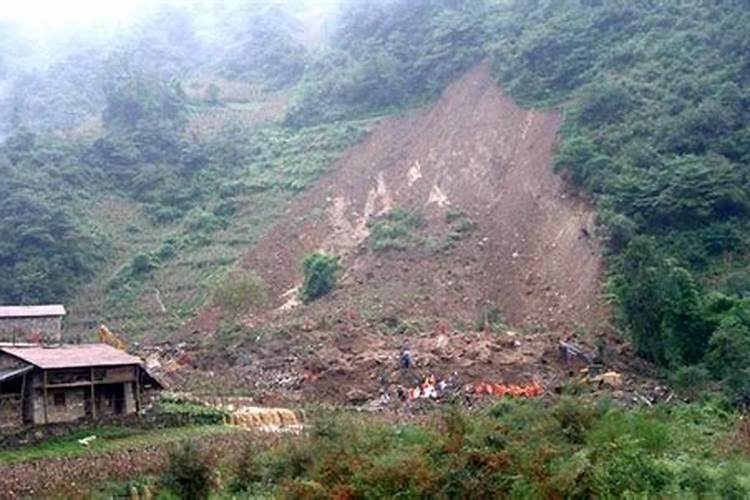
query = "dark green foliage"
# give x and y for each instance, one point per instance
(134, 99)
(389, 55)
(267, 52)
(189, 474)
(656, 129)
(690, 381)
(662, 306)
(320, 271)
(729, 356)
(44, 250)
(190, 413)
(143, 264)
(674, 321)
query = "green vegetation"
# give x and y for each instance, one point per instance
(189, 413)
(396, 230)
(460, 225)
(189, 473)
(109, 438)
(45, 250)
(514, 449)
(320, 271)
(387, 56)
(238, 291)
(656, 130)
(267, 52)
(113, 191)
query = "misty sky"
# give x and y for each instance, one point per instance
(38, 17)
(42, 15)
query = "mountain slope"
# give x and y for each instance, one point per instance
(474, 156)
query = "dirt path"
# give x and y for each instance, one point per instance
(472, 151)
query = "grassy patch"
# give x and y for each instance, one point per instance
(109, 438)
(175, 258)
(396, 231)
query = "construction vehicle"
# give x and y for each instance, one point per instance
(109, 338)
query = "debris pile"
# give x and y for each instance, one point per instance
(265, 419)
(499, 389)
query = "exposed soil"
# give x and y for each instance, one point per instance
(473, 151)
(529, 251)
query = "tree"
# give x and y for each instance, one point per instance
(320, 275)
(640, 298)
(189, 472)
(685, 331)
(240, 290)
(729, 349)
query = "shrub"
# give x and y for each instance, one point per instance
(690, 380)
(143, 264)
(630, 470)
(575, 419)
(189, 472)
(396, 230)
(239, 290)
(320, 275)
(136, 272)
(190, 413)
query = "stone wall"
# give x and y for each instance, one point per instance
(73, 405)
(22, 328)
(10, 412)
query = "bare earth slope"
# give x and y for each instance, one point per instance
(473, 151)
(529, 252)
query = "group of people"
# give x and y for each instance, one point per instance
(432, 388)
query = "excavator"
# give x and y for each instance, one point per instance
(109, 338)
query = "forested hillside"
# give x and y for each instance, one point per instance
(146, 162)
(657, 131)
(350, 202)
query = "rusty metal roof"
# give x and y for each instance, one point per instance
(32, 311)
(72, 356)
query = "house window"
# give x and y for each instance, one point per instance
(59, 398)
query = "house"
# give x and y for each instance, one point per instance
(19, 323)
(41, 385)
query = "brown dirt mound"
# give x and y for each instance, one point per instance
(476, 152)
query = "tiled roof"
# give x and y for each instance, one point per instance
(31, 311)
(72, 356)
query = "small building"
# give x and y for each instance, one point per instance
(21, 323)
(41, 385)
